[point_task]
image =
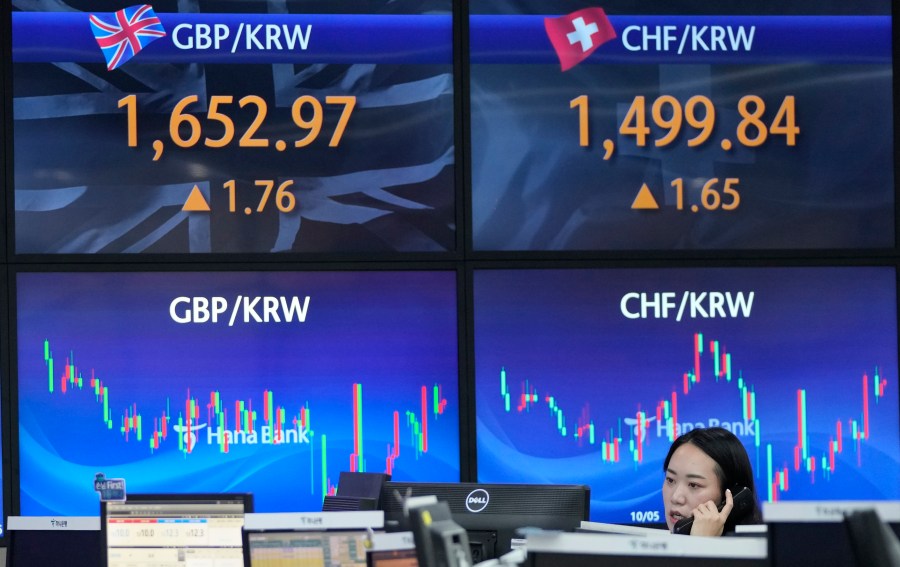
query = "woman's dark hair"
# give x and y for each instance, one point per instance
(733, 466)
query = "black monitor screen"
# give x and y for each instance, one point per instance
(266, 382)
(54, 540)
(816, 532)
(591, 381)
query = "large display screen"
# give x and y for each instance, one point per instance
(587, 375)
(219, 126)
(264, 382)
(616, 125)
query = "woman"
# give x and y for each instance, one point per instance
(704, 468)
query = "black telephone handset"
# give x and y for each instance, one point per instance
(742, 503)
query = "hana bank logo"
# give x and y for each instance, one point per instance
(633, 423)
(189, 436)
(577, 35)
(742, 428)
(121, 35)
(266, 435)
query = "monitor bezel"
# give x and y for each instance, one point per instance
(245, 498)
(466, 447)
(362, 522)
(484, 522)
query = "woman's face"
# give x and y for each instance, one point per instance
(690, 481)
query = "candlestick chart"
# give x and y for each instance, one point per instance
(628, 437)
(812, 394)
(275, 426)
(273, 410)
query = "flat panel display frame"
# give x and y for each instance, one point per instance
(562, 165)
(565, 386)
(302, 447)
(242, 131)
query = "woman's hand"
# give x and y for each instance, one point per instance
(708, 520)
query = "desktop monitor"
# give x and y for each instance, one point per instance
(362, 484)
(664, 550)
(314, 548)
(872, 541)
(392, 558)
(73, 541)
(174, 529)
(394, 549)
(356, 491)
(595, 379)
(814, 532)
(492, 513)
(317, 539)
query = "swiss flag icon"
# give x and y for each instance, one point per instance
(577, 35)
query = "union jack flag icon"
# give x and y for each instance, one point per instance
(121, 35)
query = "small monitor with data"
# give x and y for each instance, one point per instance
(175, 530)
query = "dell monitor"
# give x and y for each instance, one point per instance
(492, 513)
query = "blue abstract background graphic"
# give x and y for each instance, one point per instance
(388, 187)
(573, 342)
(392, 332)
